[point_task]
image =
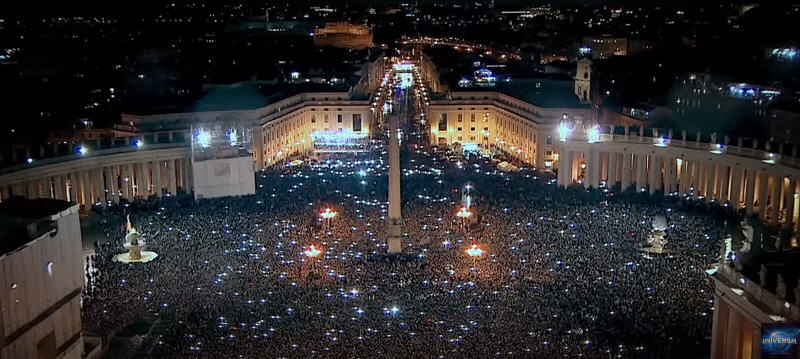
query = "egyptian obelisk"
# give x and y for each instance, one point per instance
(394, 231)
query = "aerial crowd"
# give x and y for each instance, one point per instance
(562, 273)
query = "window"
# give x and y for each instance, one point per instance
(326, 118)
(460, 118)
(313, 119)
(459, 129)
(472, 117)
(549, 153)
(549, 140)
(459, 138)
(472, 129)
(339, 118)
(443, 122)
(472, 138)
(486, 129)
(356, 122)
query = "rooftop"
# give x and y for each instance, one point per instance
(23, 220)
(236, 97)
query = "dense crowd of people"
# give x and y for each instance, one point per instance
(562, 273)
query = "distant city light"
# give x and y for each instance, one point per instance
(81, 150)
(29, 160)
(137, 143)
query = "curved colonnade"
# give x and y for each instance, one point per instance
(761, 182)
(103, 176)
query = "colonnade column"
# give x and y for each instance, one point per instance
(710, 175)
(128, 182)
(654, 174)
(187, 175)
(723, 183)
(788, 202)
(611, 181)
(101, 190)
(736, 187)
(641, 165)
(669, 171)
(749, 191)
(58, 187)
(626, 171)
(158, 190)
(46, 185)
(141, 181)
(85, 193)
(763, 180)
(31, 189)
(775, 199)
(172, 177)
(115, 175)
(73, 187)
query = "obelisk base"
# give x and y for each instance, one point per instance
(395, 238)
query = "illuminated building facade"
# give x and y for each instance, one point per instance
(343, 35)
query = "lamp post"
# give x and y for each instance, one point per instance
(312, 252)
(463, 213)
(328, 215)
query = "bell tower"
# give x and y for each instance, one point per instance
(583, 80)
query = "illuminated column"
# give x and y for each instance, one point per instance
(736, 187)
(749, 191)
(775, 199)
(788, 202)
(654, 174)
(723, 183)
(58, 187)
(187, 175)
(141, 180)
(73, 187)
(626, 171)
(85, 189)
(115, 183)
(158, 189)
(604, 168)
(641, 166)
(668, 173)
(684, 176)
(763, 180)
(173, 181)
(395, 229)
(611, 181)
(711, 174)
(100, 191)
(127, 182)
(700, 181)
(596, 167)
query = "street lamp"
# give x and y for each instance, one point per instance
(312, 252)
(328, 214)
(463, 213)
